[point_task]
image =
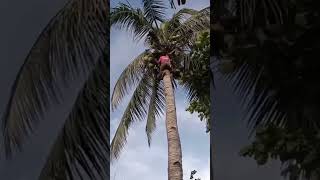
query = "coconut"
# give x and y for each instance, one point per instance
(145, 58)
(150, 58)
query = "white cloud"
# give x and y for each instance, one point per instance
(122, 51)
(137, 160)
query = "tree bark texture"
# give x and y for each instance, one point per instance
(175, 171)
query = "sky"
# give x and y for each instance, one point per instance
(24, 20)
(137, 160)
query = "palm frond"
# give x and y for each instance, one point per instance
(179, 17)
(192, 90)
(126, 17)
(171, 33)
(183, 14)
(70, 44)
(130, 76)
(196, 87)
(196, 23)
(82, 146)
(154, 10)
(261, 106)
(136, 110)
(156, 107)
(172, 4)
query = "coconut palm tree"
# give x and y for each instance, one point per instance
(172, 36)
(74, 43)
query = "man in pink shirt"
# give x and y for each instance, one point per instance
(165, 63)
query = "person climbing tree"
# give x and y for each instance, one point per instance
(165, 63)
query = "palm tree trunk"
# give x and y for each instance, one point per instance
(175, 171)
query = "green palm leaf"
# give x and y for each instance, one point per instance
(137, 110)
(182, 15)
(197, 22)
(128, 78)
(83, 144)
(195, 87)
(154, 10)
(126, 17)
(156, 107)
(71, 43)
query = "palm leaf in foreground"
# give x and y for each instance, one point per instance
(156, 107)
(128, 78)
(126, 17)
(70, 44)
(154, 10)
(199, 21)
(83, 144)
(137, 110)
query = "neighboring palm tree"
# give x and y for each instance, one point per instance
(175, 37)
(74, 43)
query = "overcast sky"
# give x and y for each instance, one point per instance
(138, 161)
(22, 21)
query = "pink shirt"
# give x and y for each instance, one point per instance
(164, 59)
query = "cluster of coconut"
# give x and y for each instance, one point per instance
(150, 61)
(156, 51)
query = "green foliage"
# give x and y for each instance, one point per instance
(202, 107)
(203, 110)
(298, 150)
(197, 78)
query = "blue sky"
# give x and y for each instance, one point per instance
(137, 160)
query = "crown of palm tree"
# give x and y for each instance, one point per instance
(172, 36)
